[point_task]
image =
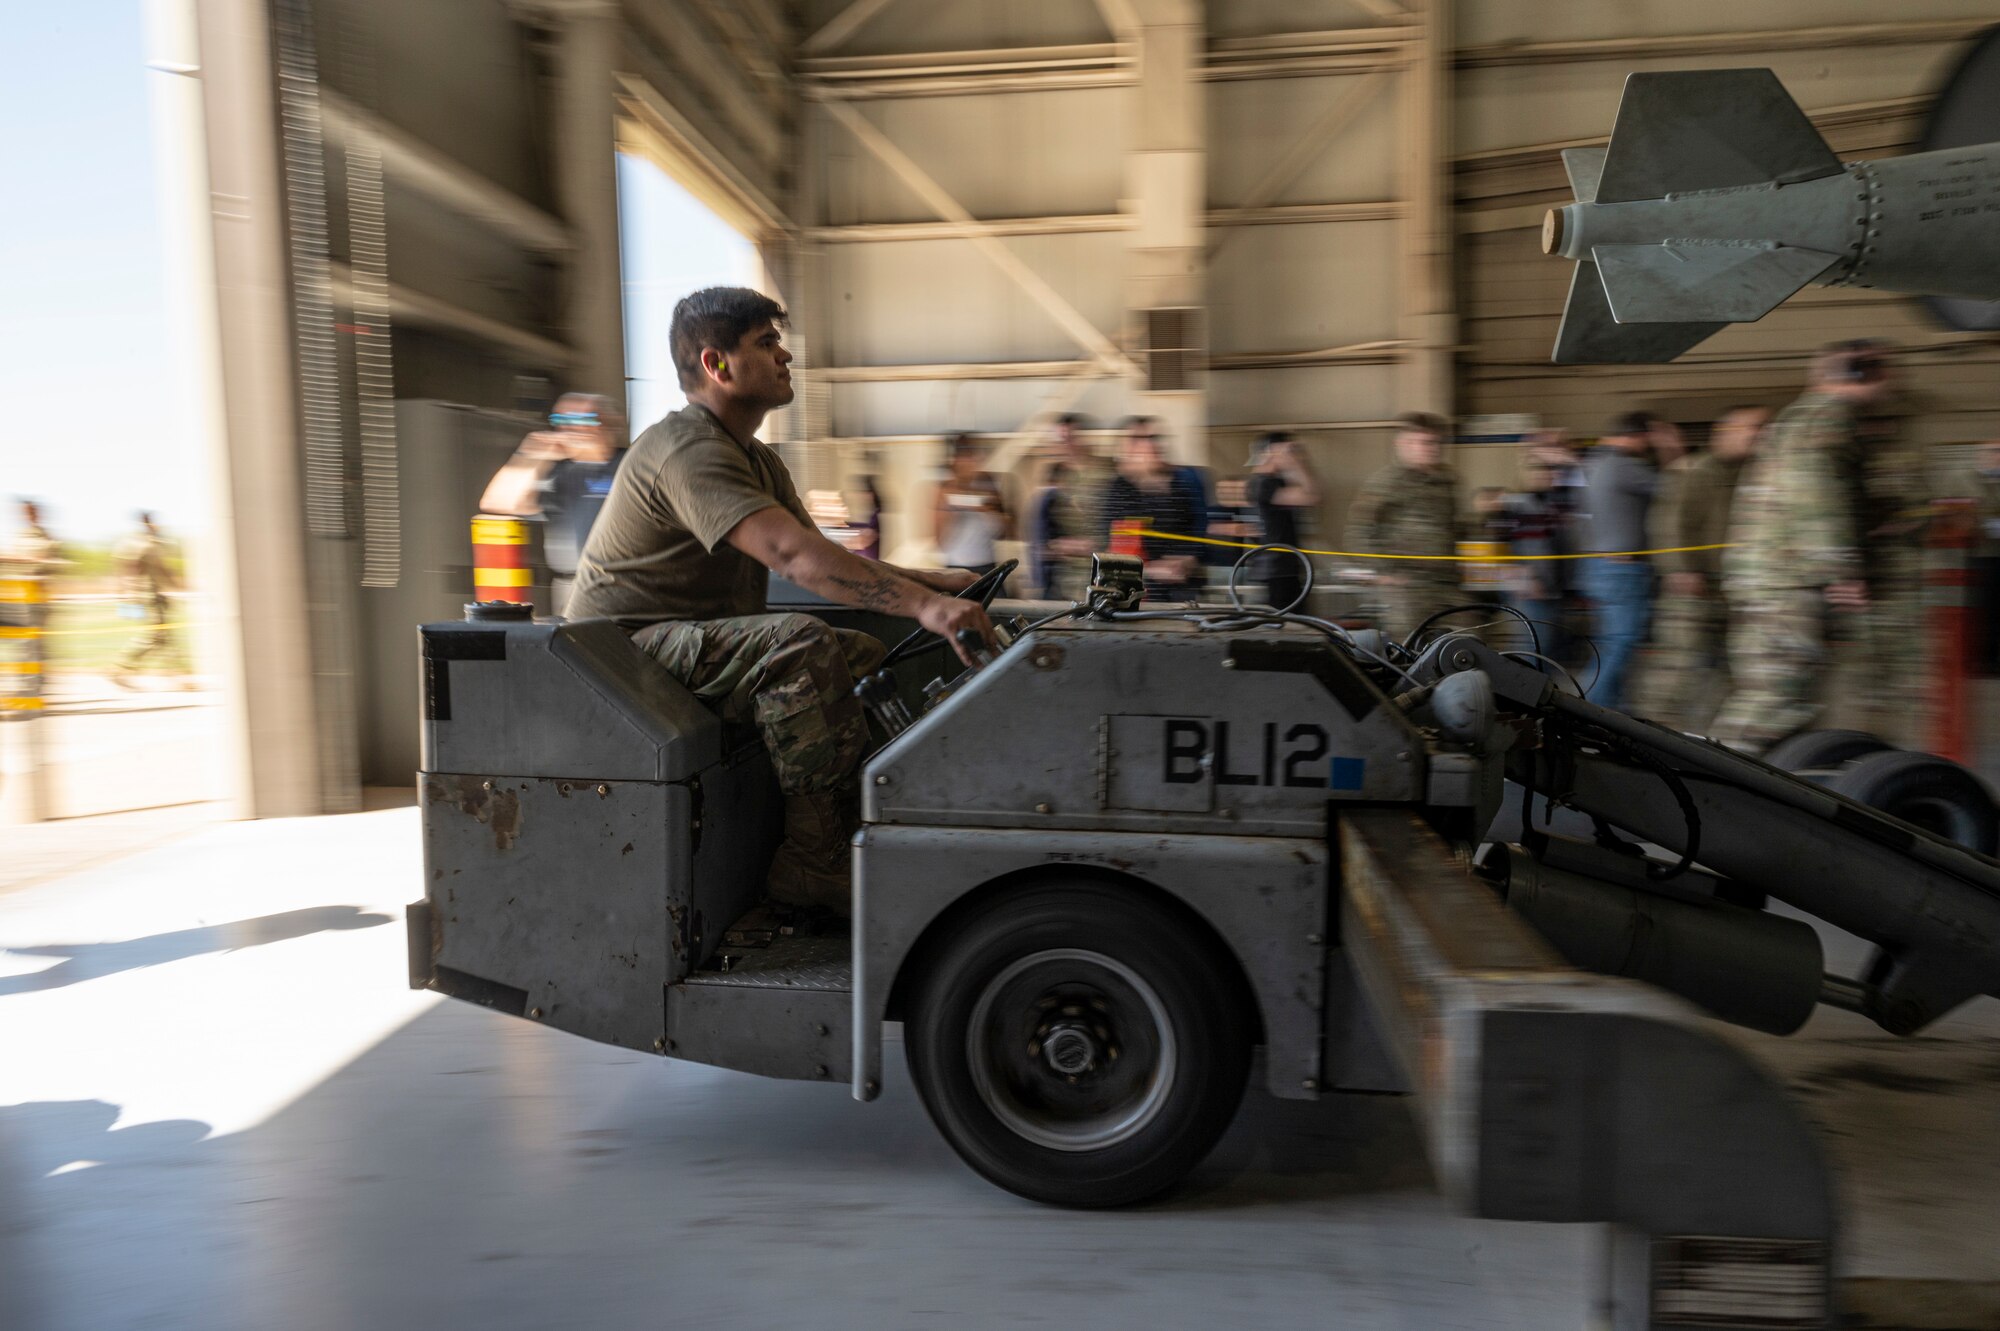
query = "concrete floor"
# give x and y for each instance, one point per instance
(102, 749)
(223, 1109)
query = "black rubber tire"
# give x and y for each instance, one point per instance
(1818, 750)
(1933, 793)
(1197, 989)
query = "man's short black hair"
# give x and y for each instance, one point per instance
(1131, 423)
(716, 317)
(1075, 420)
(1631, 423)
(1857, 360)
(1423, 422)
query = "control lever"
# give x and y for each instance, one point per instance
(975, 646)
(877, 693)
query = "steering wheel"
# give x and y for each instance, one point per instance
(984, 590)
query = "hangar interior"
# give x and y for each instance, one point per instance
(401, 228)
(1234, 217)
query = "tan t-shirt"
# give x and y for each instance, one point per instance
(658, 551)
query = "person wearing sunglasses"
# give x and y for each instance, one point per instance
(562, 475)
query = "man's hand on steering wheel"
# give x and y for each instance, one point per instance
(947, 615)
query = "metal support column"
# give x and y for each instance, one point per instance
(1167, 191)
(224, 218)
(1428, 311)
(586, 162)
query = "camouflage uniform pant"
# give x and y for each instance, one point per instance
(1778, 661)
(1889, 664)
(1410, 604)
(1687, 677)
(157, 638)
(793, 675)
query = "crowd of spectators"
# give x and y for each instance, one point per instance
(1701, 585)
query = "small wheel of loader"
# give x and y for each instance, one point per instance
(1934, 793)
(1079, 1045)
(1821, 750)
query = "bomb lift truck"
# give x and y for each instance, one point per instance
(1095, 874)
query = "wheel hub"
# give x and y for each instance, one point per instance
(1070, 1049)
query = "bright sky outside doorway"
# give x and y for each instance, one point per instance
(671, 245)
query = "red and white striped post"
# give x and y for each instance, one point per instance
(1950, 603)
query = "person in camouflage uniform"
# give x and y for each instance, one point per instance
(1888, 639)
(1795, 561)
(143, 583)
(1410, 507)
(33, 553)
(1689, 673)
(699, 515)
(1077, 528)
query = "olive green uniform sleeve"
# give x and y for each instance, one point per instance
(1666, 523)
(1371, 512)
(1828, 499)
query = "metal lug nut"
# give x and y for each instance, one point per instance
(819, 1029)
(1309, 1084)
(486, 785)
(871, 1086)
(882, 780)
(535, 1012)
(1045, 807)
(602, 791)
(660, 1045)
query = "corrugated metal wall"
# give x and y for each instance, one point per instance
(1300, 263)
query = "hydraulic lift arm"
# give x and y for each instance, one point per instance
(1931, 907)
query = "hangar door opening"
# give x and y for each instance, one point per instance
(670, 243)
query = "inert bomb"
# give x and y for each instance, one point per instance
(1717, 200)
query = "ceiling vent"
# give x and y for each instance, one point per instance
(1173, 348)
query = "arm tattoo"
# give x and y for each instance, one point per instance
(874, 592)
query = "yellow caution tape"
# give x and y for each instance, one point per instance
(503, 577)
(1456, 559)
(22, 591)
(135, 626)
(20, 704)
(20, 667)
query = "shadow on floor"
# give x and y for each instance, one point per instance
(92, 961)
(42, 1136)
